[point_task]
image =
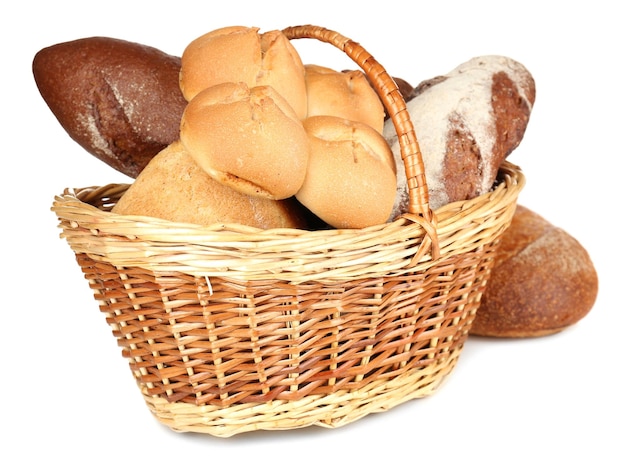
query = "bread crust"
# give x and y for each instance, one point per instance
(350, 179)
(173, 187)
(117, 99)
(346, 94)
(248, 138)
(467, 122)
(543, 281)
(243, 54)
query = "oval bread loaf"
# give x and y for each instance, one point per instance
(119, 100)
(543, 281)
(467, 122)
(174, 187)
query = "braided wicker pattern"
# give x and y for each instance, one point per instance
(229, 328)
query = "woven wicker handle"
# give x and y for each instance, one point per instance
(393, 101)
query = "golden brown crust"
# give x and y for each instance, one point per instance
(542, 282)
(350, 180)
(173, 187)
(248, 138)
(242, 54)
(346, 94)
(119, 100)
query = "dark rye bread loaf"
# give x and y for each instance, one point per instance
(467, 122)
(119, 100)
(543, 281)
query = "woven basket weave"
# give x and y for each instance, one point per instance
(229, 329)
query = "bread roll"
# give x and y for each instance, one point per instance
(119, 100)
(242, 54)
(247, 138)
(467, 122)
(173, 187)
(350, 180)
(543, 281)
(345, 94)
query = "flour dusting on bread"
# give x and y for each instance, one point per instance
(463, 102)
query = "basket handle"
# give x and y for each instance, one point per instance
(395, 104)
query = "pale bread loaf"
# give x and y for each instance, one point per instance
(173, 187)
(467, 122)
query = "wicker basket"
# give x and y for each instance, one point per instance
(229, 329)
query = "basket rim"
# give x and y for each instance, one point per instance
(218, 250)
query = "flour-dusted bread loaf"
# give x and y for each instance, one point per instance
(543, 281)
(467, 122)
(174, 187)
(119, 100)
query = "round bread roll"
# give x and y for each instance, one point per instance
(242, 54)
(173, 187)
(117, 99)
(247, 138)
(346, 94)
(350, 180)
(542, 281)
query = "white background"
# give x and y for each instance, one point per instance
(65, 387)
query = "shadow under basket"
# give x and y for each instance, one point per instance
(229, 329)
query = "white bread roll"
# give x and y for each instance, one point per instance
(351, 179)
(173, 187)
(242, 54)
(345, 94)
(247, 138)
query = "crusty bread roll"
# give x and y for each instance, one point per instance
(346, 94)
(173, 187)
(117, 99)
(350, 180)
(242, 54)
(467, 122)
(543, 281)
(247, 138)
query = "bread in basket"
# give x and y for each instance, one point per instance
(229, 329)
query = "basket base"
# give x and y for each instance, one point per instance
(329, 411)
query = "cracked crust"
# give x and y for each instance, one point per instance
(467, 122)
(542, 281)
(109, 94)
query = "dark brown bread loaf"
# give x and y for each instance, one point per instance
(467, 122)
(119, 100)
(542, 282)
